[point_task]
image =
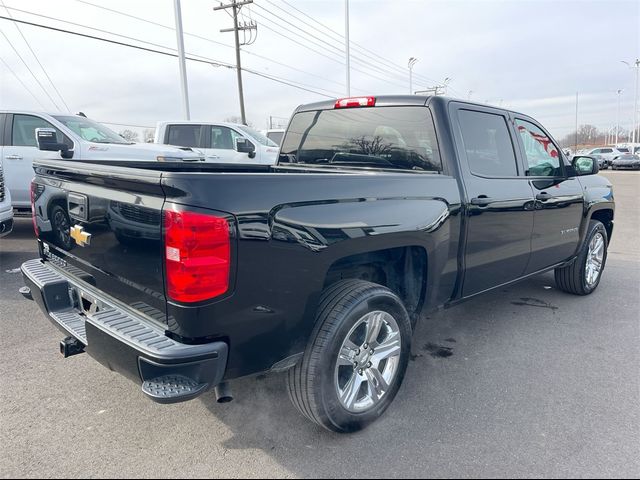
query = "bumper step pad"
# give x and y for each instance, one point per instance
(172, 388)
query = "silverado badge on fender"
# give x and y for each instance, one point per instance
(81, 237)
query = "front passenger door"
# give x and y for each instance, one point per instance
(222, 145)
(559, 199)
(19, 154)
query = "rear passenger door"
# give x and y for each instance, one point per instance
(500, 201)
(559, 199)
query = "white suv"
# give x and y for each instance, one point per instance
(607, 153)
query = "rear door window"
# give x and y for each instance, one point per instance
(488, 144)
(186, 136)
(275, 137)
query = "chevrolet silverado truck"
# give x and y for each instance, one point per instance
(186, 276)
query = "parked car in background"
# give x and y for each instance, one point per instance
(220, 142)
(6, 210)
(608, 153)
(603, 163)
(275, 134)
(627, 161)
(77, 137)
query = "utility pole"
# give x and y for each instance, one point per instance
(412, 62)
(181, 61)
(236, 5)
(346, 46)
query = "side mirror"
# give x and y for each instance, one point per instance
(583, 165)
(48, 141)
(245, 146)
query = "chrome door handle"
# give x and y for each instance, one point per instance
(481, 201)
(213, 156)
(13, 157)
(543, 197)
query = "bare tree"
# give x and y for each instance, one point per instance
(148, 135)
(375, 146)
(130, 135)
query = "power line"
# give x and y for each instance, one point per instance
(375, 57)
(338, 51)
(174, 55)
(393, 72)
(36, 57)
(23, 84)
(193, 35)
(29, 69)
(200, 37)
(299, 43)
(371, 54)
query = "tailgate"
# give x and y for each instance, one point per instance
(104, 226)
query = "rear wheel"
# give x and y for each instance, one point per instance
(61, 225)
(356, 359)
(583, 276)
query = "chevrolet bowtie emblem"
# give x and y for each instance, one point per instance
(81, 237)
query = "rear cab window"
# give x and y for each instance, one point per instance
(391, 138)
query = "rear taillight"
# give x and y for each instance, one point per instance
(197, 255)
(355, 102)
(34, 190)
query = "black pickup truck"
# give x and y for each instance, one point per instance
(185, 276)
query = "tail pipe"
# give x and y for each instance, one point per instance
(223, 393)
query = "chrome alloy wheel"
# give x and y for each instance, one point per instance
(368, 361)
(595, 258)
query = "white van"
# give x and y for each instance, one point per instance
(85, 139)
(220, 142)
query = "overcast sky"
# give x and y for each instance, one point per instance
(532, 56)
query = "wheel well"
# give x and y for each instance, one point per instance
(61, 202)
(402, 270)
(606, 217)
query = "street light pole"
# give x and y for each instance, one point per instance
(635, 65)
(576, 145)
(181, 61)
(346, 46)
(619, 92)
(412, 62)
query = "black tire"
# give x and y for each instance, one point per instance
(60, 225)
(312, 382)
(573, 277)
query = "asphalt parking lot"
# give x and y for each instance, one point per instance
(526, 381)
